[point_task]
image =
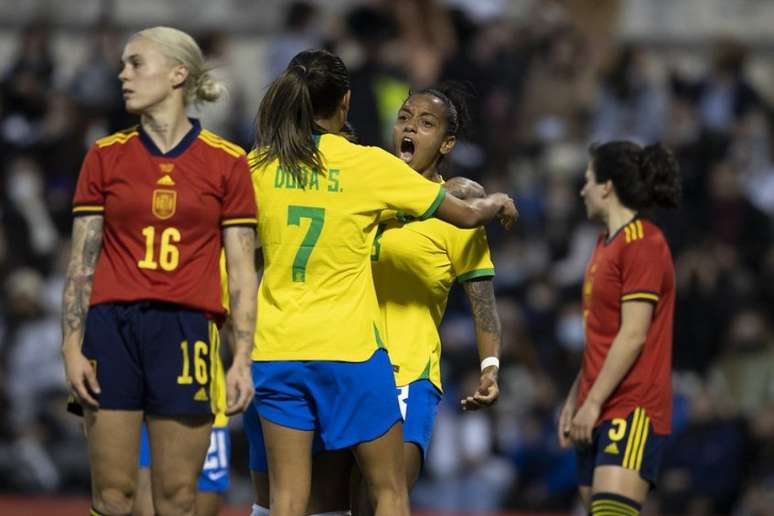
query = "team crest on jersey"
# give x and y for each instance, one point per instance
(164, 203)
(166, 168)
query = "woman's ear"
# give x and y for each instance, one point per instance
(448, 144)
(178, 75)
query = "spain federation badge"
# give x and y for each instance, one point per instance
(164, 202)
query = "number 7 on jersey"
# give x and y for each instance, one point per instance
(317, 218)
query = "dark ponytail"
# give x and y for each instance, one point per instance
(661, 175)
(311, 87)
(643, 177)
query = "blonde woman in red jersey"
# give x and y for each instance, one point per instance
(619, 408)
(154, 206)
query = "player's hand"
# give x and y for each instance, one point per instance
(487, 393)
(239, 387)
(464, 188)
(508, 214)
(582, 426)
(565, 423)
(81, 378)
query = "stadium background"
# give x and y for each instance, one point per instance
(551, 76)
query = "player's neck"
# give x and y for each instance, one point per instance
(166, 127)
(617, 217)
(330, 125)
(432, 174)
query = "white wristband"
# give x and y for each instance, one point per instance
(490, 361)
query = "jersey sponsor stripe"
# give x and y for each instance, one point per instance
(240, 222)
(632, 435)
(117, 138)
(88, 209)
(640, 229)
(644, 296)
(231, 149)
(641, 452)
(217, 139)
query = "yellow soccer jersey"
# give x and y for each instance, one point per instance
(414, 267)
(316, 299)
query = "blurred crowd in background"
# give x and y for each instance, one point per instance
(546, 85)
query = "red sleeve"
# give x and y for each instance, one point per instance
(239, 197)
(642, 266)
(89, 192)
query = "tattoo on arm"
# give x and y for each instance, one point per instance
(86, 246)
(482, 301)
(240, 252)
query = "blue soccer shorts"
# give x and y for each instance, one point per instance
(346, 403)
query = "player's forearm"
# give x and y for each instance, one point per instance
(620, 358)
(472, 213)
(242, 284)
(487, 321)
(85, 249)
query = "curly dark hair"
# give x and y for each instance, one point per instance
(643, 177)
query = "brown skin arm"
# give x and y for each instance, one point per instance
(477, 212)
(488, 336)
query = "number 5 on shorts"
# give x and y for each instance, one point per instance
(317, 217)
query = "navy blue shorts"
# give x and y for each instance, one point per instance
(160, 358)
(214, 477)
(345, 402)
(630, 443)
(419, 405)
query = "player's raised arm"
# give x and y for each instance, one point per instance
(477, 212)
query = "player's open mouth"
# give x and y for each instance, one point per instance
(406, 149)
(126, 92)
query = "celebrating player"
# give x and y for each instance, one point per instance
(618, 411)
(415, 265)
(154, 205)
(319, 364)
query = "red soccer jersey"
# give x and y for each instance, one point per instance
(163, 215)
(633, 265)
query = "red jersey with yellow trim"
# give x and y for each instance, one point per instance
(163, 215)
(635, 264)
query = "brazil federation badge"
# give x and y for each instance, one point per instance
(164, 203)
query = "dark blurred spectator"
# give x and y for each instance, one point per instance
(378, 90)
(545, 473)
(299, 32)
(630, 105)
(712, 442)
(95, 86)
(745, 370)
(25, 87)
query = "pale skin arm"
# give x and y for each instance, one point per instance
(626, 347)
(85, 249)
(565, 417)
(489, 337)
(239, 244)
(477, 212)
